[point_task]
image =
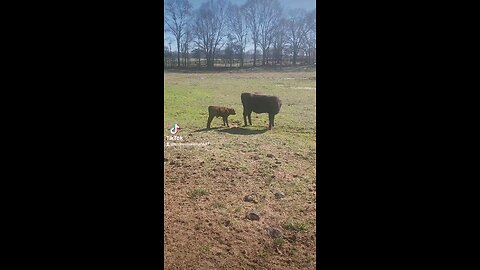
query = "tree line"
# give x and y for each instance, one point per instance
(219, 31)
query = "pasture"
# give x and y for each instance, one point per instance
(205, 186)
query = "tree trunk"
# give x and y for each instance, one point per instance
(241, 59)
(263, 57)
(254, 54)
(266, 57)
(210, 60)
(178, 52)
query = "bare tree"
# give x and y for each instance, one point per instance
(279, 41)
(177, 14)
(209, 28)
(297, 30)
(186, 40)
(237, 25)
(252, 14)
(197, 53)
(169, 57)
(313, 32)
(270, 14)
(310, 36)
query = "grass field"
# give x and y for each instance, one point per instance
(205, 186)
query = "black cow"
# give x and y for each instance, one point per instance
(260, 104)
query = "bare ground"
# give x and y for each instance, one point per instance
(211, 231)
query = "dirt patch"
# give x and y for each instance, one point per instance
(205, 211)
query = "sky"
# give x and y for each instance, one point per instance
(307, 5)
(286, 4)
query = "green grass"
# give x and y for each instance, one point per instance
(188, 95)
(295, 226)
(277, 242)
(218, 205)
(205, 248)
(197, 193)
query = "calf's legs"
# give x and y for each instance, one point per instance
(225, 120)
(209, 121)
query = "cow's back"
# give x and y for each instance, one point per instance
(261, 103)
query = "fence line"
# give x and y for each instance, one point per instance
(202, 63)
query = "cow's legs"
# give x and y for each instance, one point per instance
(245, 114)
(270, 120)
(250, 118)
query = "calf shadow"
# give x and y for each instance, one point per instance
(206, 129)
(242, 131)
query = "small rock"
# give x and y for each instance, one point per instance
(165, 159)
(278, 162)
(295, 175)
(253, 216)
(270, 155)
(249, 198)
(274, 232)
(279, 195)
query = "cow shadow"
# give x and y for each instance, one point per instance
(242, 131)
